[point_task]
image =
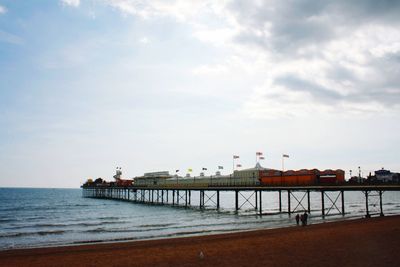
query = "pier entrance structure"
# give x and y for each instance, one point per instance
(291, 199)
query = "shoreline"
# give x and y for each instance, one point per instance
(360, 242)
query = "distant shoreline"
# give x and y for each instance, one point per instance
(362, 242)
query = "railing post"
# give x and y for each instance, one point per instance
(308, 201)
(280, 201)
(289, 208)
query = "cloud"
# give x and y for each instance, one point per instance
(3, 10)
(340, 55)
(73, 3)
(144, 41)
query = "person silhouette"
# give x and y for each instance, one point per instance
(305, 216)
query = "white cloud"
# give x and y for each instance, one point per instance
(144, 40)
(73, 3)
(180, 9)
(3, 10)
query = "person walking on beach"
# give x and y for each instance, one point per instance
(305, 216)
(297, 219)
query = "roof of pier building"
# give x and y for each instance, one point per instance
(250, 172)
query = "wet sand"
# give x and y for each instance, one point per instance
(363, 242)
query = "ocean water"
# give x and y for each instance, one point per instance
(52, 217)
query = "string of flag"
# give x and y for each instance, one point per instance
(259, 156)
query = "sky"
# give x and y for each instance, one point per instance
(89, 85)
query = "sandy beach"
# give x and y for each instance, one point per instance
(362, 242)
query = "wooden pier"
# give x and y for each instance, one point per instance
(210, 197)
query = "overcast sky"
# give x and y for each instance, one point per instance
(88, 85)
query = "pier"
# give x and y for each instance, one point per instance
(332, 198)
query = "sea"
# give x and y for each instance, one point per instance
(32, 217)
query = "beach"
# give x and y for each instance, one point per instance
(360, 242)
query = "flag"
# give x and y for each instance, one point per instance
(190, 170)
(204, 169)
(220, 167)
(285, 155)
(259, 153)
(176, 170)
(238, 165)
(235, 156)
(261, 158)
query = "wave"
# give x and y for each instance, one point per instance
(3, 220)
(40, 233)
(178, 234)
(79, 224)
(154, 225)
(112, 230)
(160, 227)
(109, 218)
(61, 225)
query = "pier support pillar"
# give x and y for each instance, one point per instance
(288, 199)
(186, 198)
(308, 201)
(260, 199)
(256, 200)
(323, 203)
(280, 201)
(367, 205)
(342, 195)
(236, 200)
(173, 197)
(380, 203)
(217, 199)
(190, 197)
(201, 199)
